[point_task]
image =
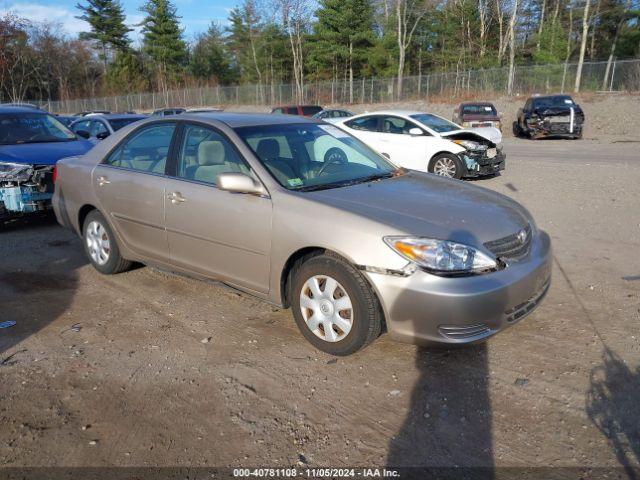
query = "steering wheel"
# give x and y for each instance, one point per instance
(333, 156)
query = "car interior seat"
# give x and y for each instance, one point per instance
(268, 149)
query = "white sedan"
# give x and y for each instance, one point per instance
(429, 143)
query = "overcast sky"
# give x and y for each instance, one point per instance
(196, 14)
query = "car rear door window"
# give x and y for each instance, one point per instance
(369, 124)
(98, 127)
(310, 110)
(292, 110)
(204, 154)
(85, 125)
(145, 150)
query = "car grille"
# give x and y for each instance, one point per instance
(519, 311)
(512, 246)
(464, 332)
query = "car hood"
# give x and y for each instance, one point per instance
(488, 133)
(426, 205)
(42, 153)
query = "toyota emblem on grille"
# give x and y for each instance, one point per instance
(522, 236)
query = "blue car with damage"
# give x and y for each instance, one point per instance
(31, 142)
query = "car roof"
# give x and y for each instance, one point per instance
(15, 109)
(297, 105)
(111, 116)
(406, 113)
(477, 103)
(558, 95)
(117, 116)
(234, 120)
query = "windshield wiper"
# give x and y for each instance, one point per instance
(346, 183)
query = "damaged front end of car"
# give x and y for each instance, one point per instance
(481, 156)
(556, 122)
(25, 188)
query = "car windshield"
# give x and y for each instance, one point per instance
(18, 128)
(558, 101)
(118, 123)
(435, 123)
(307, 157)
(478, 110)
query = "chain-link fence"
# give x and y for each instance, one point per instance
(620, 75)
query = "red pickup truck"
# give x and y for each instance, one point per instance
(304, 110)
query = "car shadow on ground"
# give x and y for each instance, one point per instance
(35, 290)
(449, 423)
(613, 405)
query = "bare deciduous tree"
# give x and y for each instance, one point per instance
(408, 16)
(583, 45)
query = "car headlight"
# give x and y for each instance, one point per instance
(470, 144)
(441, 255)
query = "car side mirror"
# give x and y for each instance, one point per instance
(415, 131)
(239, 183)
(83, 134)
(102, 135)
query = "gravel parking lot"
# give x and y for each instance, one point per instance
(146, 368)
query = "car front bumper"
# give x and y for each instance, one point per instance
(477, 166)
(423, 308)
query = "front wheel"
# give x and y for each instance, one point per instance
(101, 246)
(446, 165)
(517, 131)
(334, 306)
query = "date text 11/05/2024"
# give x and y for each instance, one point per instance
(315, 473)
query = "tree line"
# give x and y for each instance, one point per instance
(270, 42)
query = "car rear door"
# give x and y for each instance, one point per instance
(213, 232)
(366, 129)
(130, 184)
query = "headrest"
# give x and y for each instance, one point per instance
(268, 149)
(211, 152)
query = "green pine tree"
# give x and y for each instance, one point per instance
(163, 42)
(209, 57)
(345, 30)
(108, 30)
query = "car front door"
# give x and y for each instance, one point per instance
(213, 232)
(405, 149)
(130, 185)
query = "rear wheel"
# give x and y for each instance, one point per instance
(334, 306)
(101, 246)
(446, 165)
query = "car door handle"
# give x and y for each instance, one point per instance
(103, 181)
(176, 198)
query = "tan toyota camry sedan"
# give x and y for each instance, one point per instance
(303, 215)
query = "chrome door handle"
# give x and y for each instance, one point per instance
(103, 181)
(176, 198)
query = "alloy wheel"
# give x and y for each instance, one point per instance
(445, 167)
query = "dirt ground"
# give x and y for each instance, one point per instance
(609, 117)
(148, 369)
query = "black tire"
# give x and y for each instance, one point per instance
(517, 131)
(115, 263)
(459, 170)
(367, 317)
